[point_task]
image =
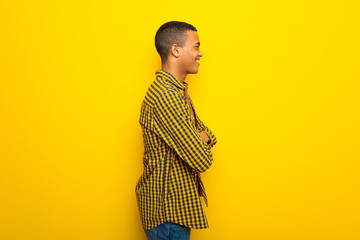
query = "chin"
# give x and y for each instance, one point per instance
(194, 71)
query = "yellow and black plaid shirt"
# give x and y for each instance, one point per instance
(174, 157)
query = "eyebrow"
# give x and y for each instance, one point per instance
(197, 43)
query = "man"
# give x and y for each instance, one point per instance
(177, 143)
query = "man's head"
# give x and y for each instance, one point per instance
(178, 43)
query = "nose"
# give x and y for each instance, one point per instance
(200, 53)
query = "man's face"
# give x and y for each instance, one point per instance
(191, 53)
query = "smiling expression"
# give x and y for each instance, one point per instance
(191, 53)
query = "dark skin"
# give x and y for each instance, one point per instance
(185, 60)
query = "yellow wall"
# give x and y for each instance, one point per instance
(278, 85)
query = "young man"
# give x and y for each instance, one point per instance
(177, 143)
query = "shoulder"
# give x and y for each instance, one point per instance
(161, 92)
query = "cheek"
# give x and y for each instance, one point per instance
(188, 57)
(193, 55)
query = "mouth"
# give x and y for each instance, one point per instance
(198, 61)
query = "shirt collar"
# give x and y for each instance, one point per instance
(172, 79)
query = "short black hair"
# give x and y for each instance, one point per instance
(170, 33)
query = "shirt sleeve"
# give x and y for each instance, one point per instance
(203, 128)
(173, 126)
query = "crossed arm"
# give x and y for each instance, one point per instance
(172, 125)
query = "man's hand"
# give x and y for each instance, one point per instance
(204, 137)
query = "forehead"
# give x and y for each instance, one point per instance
(192, 37)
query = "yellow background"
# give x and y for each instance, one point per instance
(278, 85)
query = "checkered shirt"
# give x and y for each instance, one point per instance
(174, 155)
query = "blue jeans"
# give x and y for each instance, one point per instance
(168, 231)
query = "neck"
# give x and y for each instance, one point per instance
(174, 71)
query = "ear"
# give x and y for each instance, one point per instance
(175, 50)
